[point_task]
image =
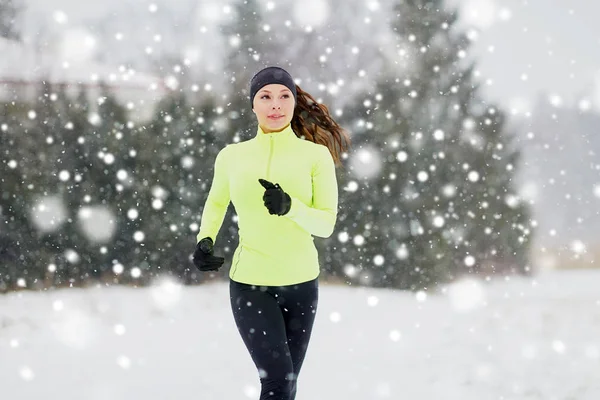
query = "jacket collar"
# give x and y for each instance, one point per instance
(284, 135)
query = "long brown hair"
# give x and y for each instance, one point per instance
(313, 121)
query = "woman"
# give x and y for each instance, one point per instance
(283, 186)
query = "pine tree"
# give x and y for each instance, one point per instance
(40, 225)
(16, 234)
(59, 169)
(149, 180)
(70, 155)
(106, 190)
(432, 162)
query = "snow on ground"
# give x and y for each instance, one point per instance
(535, 338)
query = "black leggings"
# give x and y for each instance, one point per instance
(275, 323)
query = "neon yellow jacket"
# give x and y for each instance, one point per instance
(273, 250)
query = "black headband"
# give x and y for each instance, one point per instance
(268, 76)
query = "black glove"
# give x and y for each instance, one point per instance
(204, 259)
(276, 200)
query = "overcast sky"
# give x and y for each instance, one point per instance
(523, 46)
(549, 45)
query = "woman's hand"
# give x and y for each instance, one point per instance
(204, 259)
(276, 200)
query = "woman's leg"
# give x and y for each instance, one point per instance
(298, 304)
(261, 325)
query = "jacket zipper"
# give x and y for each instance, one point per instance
(270, 157)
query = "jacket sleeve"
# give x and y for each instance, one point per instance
(319, 220)
(217, 201)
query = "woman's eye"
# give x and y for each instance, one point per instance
(266, 96)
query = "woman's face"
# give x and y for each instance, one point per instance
(274, 107)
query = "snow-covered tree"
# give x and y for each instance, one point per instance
(431, 195)
(90, 196)
(174, 169)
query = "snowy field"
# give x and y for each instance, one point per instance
(519, 339)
